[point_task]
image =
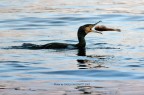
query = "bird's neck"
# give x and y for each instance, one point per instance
(81, 37)
(82, 42)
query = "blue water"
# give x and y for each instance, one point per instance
(111, 56)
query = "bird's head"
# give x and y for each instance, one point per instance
(87, 28)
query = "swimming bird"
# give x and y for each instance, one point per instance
(82, 32)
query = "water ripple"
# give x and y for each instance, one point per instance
(92, 74)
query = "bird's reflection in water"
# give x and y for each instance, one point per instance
(91, 61)
(82, 62)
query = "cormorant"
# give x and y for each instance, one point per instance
(82, 32)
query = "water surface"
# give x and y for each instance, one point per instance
(111, 56)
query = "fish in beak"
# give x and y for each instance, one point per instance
(100, 28)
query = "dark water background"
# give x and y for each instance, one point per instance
(111, 56)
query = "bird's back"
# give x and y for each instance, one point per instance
(47, 46)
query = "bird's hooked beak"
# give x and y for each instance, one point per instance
(94, 28)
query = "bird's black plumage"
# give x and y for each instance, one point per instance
(82, 32)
